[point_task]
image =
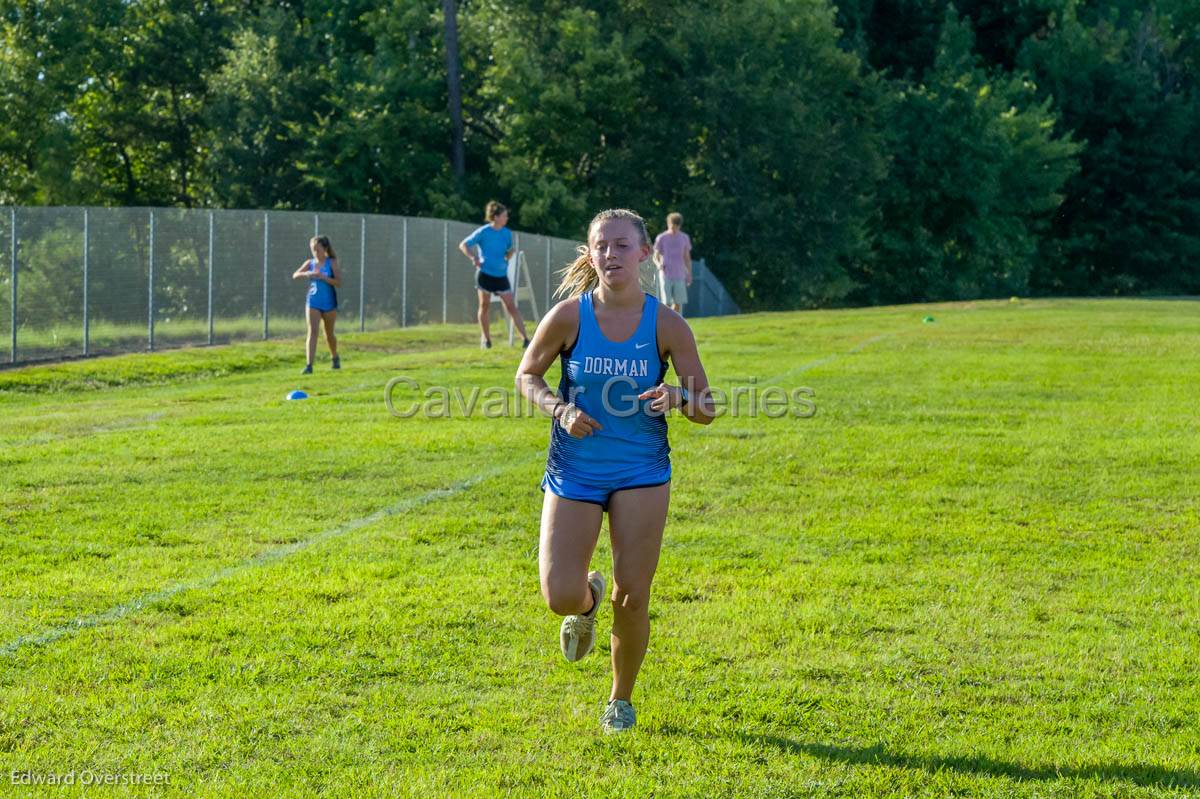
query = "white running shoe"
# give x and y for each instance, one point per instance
(618, 716)
(578, 633)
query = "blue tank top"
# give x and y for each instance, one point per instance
(321, 295)
(604, 378)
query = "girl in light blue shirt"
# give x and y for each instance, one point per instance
(489, 247)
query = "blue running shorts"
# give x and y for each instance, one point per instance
(601, 494)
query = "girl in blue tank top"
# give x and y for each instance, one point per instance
(604, 379)
(608, 442)
(324, 277)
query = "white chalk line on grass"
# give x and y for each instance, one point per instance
(124, 609)
(127, 424)
(862, 345)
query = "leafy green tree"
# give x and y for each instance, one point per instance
(901, 37)
(884, 150)
(769, 149)
(977, 168)
(563, 99)
(34, 141)
(255, 120)
(787, 151)
(338, 108)
(1131, 220)
(121, 93)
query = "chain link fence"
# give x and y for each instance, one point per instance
(90, 281)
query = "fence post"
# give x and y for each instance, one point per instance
(547, 305)
(266, 243)
(404, 279)
(362, 274)
(210, 277)
(316, 224)
(151, 287)
(12, 307)
(86, 330)
(445, 268)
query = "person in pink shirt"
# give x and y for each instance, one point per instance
(673, 256)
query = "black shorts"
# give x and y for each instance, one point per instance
(496, 285)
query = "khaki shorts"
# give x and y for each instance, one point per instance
(674, 291)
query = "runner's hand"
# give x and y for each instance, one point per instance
(664, 397)
(576, 422)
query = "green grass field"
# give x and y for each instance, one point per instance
(973, 573)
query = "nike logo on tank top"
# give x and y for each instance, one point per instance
(604, 378)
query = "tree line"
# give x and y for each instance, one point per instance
(872, 151)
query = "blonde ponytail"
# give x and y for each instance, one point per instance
(579, 277)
